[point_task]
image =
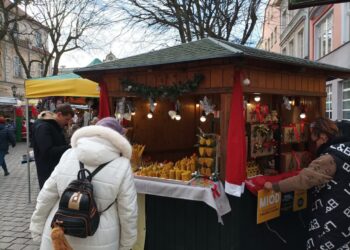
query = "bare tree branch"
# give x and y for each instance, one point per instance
(194, 18)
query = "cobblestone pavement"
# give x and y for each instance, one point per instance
(15, 209)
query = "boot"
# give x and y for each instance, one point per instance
(7, 173)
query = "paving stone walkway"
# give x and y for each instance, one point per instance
(15, 209)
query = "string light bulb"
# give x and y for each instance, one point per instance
(150, 115)
(257, 98)
(133, 113)
(177, 116)
(302, 115)
(203, 117)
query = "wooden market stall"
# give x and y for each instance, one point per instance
(287, 86)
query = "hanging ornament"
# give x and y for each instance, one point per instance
(286, 103)
(131, 110)
(207, 106)
(175, 114)
(120, 109)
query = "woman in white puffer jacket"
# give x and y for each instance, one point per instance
(93, 146)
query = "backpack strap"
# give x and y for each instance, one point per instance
(95, 171)
(104, 210)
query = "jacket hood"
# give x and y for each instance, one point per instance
(95, 145)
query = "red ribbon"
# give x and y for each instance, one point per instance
(215, 191)
(265, 110)
(296, 132)
(302, 127)
(259, 116)
(294, 155)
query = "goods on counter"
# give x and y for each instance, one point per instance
(136, 157)
(207, 149)
(252, 169)
(182, 170)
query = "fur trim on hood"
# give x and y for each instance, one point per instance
(116, 139)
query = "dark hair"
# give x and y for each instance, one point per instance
(65, 109)
(325, 126)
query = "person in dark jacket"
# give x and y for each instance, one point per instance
(48, 141)
(328, 178)
(6, 138)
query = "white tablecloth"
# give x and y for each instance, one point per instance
(187, 192)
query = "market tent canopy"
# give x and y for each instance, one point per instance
(8, 101)
(61, 85)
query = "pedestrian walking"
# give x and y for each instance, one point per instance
(6, 138)
(48, 140)
(113, 189)
(328, 177)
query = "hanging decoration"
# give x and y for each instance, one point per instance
(124, 109)
(286, 103)
(207, 106)
(120, 109)
(171, 92)
(175, 114)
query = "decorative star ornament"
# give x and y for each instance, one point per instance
(207, 106)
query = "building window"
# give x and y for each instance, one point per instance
(271, 40)
(291, 47)
(346, 100)
(41, 69)
(284, 19)
(38, 40)
(17, 67)
(15, 30)
(329, 101)
(301, 43)
(266, 47)
(268, 44)
(275, 34)
(347, 23)
(284, 51)
(324, 36)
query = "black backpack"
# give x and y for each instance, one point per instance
(77, 212)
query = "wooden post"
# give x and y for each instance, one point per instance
(224, 122)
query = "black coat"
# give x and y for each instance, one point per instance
(49, 144)
(6, 137)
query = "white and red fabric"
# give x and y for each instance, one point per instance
(236, 143)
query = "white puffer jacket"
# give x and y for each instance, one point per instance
(93, 145)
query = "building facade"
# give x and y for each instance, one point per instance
(330, 43)
(294, 31)
(322, 34)
(31, 39)
(270, 39)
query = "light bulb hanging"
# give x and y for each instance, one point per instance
(257, 98)
(203, 117)
(150, 114)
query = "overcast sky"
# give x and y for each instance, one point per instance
(132, 43)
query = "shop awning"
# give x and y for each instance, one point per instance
(61, 85)
(8, 101)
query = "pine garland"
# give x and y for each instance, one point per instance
(163, 91)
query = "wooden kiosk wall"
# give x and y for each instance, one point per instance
(185, 225)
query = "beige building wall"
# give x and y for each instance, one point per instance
(31, 37)
(270, 40)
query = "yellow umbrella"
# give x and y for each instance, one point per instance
(61, 85)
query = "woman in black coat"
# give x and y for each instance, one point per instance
(6, 138)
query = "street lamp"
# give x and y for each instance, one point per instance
(14, 90)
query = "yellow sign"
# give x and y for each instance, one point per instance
(300, 200)
(269, 204)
